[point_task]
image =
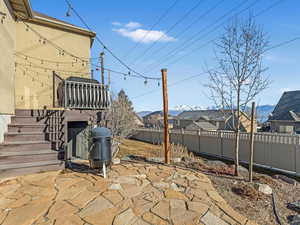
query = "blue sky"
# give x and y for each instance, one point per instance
(121, 24)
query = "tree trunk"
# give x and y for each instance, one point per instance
(237, 135)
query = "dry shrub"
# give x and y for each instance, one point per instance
(248, 191)
(222, 170)
(265, 180)
(179, 151)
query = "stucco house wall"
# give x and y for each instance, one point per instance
(7, 66)
(34, 80)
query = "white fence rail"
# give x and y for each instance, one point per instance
(276, 151)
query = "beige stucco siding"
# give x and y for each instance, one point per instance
(33, 83)
(7, 47)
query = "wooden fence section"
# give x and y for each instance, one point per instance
(277, 151)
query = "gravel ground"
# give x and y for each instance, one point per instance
(260, 210)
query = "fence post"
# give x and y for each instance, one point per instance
(221, 142)
(182, 136)
(199, 141)
(251, 143)
(296, 153)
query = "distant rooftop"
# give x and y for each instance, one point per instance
(288, 107)
(217, 115)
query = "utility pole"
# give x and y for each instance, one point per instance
(166, 114)
(102, 67)
(92, 74)
(108, 79)
(251, 143)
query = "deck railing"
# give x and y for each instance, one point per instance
(79, 93)
(84, 95)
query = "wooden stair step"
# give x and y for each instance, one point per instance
(26, 128)
(30, 168)
(29, 164)
(30, 156)
(27, 120)
(24, 146)
(24, 136)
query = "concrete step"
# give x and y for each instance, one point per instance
(24, 146)
(27, 120)
(27, 136)
(27, 156)
(20, 128)
(12, 170)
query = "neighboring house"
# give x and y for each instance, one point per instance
(201, 125)
(286, 116)
(152, 120)
(156, 120)
(47, 96)
(210, 120)
(138, 120)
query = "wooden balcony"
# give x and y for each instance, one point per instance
(82, 94)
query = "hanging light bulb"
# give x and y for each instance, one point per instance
(27, 27)
(26, 58)
(72, 64)
(42, 61)
(124, 77)
(158, 83)
(44, 41)
(145, 82)
(128, 73)
(68, 13)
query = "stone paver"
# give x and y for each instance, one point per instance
(133, 194)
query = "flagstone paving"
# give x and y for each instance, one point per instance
(133, 194)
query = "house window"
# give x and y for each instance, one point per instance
(286, 129)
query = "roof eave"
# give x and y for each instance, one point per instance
(57, 24)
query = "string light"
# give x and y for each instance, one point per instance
(68, 13)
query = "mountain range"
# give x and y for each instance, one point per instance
(263, 111)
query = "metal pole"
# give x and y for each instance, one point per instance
(104, 170)
(166, 113)
(102, 67)
(108, 80)
(251, 143)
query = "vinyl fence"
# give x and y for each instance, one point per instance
(275, 151)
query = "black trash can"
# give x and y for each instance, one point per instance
(100, 151)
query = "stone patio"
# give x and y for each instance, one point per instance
(137, 194)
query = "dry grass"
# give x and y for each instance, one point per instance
(138, 148)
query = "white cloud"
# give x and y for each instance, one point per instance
(144, 36)
(133, 25)
(116, 23)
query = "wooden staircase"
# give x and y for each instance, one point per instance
(29, 146)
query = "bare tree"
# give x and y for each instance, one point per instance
(239, 76)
